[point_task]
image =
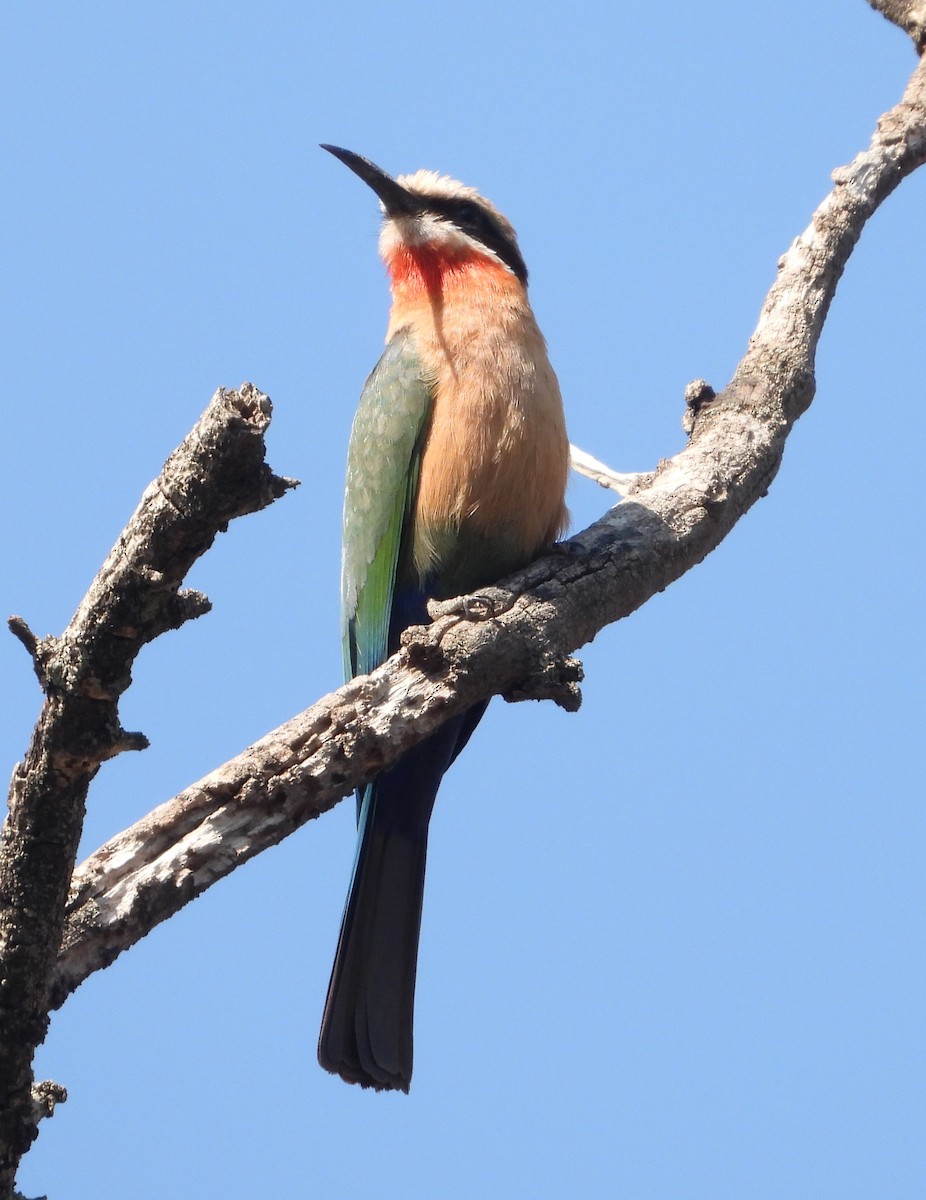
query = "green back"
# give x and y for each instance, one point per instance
(382, 477)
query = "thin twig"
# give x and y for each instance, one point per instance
(21, 631)
(622, 482)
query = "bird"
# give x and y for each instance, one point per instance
(456, 476)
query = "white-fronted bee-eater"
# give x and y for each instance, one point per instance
(456, 476)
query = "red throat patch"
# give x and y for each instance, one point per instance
(430, 269)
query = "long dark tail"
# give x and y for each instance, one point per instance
(366, 1033)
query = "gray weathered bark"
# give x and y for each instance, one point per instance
(217, 473)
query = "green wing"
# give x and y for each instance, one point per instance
(382, 477)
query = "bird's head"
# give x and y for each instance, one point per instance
(435, 215)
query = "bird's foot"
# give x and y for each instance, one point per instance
(481, 606)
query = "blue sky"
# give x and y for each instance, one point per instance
(672, 945)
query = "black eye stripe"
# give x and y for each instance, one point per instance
(472, 219)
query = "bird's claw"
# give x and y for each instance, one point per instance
(481, 606)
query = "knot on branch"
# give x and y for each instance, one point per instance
(557, 678)
(124, 741)
(423, 652)
(40, 650)
(254, 405)
(698, 393)
(184, 605)
(45, 1096)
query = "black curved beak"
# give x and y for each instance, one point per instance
(396, 200)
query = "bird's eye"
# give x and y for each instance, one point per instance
(469, 214)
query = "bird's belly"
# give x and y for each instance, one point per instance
(491, 485)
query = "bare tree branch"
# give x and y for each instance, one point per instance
(218, 473)
(514, 639)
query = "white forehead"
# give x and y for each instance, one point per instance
(431, 183)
